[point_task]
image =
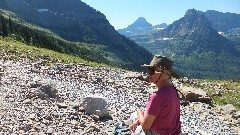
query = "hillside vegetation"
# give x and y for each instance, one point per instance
(17, 50)
(76, 21)
(31, 36)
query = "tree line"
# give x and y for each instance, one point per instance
(34, 37)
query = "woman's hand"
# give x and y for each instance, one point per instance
(134, 125)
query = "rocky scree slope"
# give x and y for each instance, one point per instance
(37, 98)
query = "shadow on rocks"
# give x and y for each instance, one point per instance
(106, 118)
(46, 92)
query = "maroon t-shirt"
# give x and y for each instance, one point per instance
(165, 105)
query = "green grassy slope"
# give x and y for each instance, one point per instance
(18, 49)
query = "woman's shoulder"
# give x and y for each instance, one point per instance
(165, 90)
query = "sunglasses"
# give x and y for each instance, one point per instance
(152, 71)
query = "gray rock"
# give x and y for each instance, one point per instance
(50, 131)
(228, 109)
(46, 91)
(27, 101)
(75, 104)
(95, 105)
(236, 115)
(62, 105)
(196, 95)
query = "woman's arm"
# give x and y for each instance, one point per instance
(146, 120)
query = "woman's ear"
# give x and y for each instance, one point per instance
(159, 69)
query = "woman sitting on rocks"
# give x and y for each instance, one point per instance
(162, 113)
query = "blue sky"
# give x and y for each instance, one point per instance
(121, 13)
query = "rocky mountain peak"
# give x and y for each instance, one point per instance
(141, 22)
(191, 12)
(192, 25)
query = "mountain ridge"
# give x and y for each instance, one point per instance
(80, 23)
(222, 22)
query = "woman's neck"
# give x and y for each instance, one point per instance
(166, 83)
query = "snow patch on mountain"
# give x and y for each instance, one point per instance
(25, 3)
(42, 10)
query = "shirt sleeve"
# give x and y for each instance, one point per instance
(156, 104)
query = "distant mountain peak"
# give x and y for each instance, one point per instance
(191, 12)
(141, 26)
(141, 22)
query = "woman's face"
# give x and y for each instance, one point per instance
(154, 73)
